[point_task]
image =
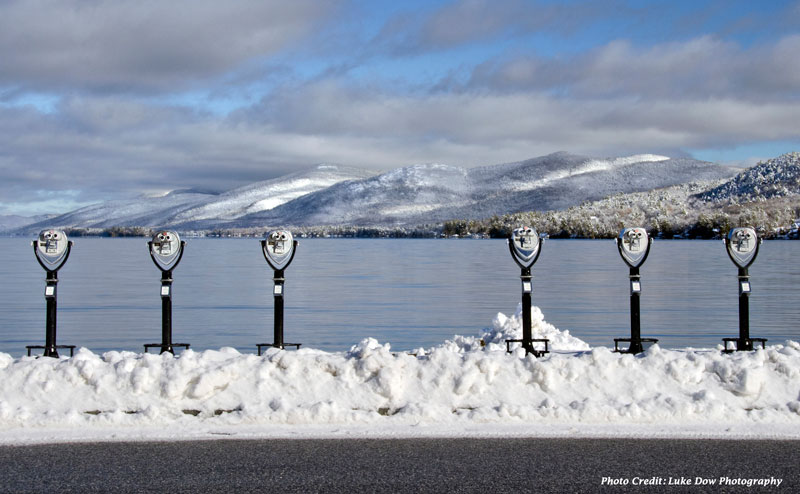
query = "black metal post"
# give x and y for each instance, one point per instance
(277, 297)
(277, 292)
(166, 312)
(527, 332)
(166, 345)
(632, 236)
(636, 327)
(527, 339)
(50, 326)
(50, 346)
(744, 343)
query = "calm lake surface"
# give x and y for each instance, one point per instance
(410, 293)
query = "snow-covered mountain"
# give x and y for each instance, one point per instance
(433, 193)
(264, 196)
(580, 179)
(778, 177)
(410, 192)
(12, 221)
(335, 195)
(179, 207)
(142, 211)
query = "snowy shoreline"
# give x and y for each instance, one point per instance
(461, 388)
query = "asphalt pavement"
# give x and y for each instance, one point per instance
(404, 465)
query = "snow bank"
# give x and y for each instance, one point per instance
(461, 387)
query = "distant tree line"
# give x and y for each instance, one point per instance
(668, 213)
(114, 231)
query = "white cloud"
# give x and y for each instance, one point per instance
(469, 21)
(126, 45)
(699, 68)
(111, 66)
(109, 147)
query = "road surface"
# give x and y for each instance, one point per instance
(402, 465)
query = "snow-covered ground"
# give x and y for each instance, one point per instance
(467, 386)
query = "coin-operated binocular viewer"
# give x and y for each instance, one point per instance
(742, 245)
(525, 246)
(634, 247)
(278, 248)
(166, 250)
(52, 250)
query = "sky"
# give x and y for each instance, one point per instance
(114, 99)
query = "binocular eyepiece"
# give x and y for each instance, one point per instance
(50, 239)
(52, 249)
(634, 246)
(742, 245)
(278, 248)
(166, 249)
(524, 245)
(162, 242)
(742, 240)
(278, 242)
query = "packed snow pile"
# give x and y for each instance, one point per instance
(465, 385)
(504, 327)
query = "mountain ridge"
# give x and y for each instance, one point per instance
(180, 205)
(776, 177)
(416, 194)
(433, 193)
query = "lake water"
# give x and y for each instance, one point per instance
(408, 292)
